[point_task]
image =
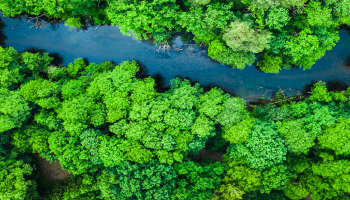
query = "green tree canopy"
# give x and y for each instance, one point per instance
(14, 109)
(240, 36)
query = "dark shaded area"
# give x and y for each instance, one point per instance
(210, 86)
(347, 61)
(307, 87)
(142, 73)
(346, 28)
(160, 84)
(334, 85)
(260, 102)
(47, 174)
(57, 59)
(86, 61)
(3, 37)
(204, 153)
(35, 50)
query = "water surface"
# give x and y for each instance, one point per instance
(107, 43)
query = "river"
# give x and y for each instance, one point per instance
(107, 43)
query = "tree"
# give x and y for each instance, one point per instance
(296, 138)
(36, 62)
(319, 119)
(110, 151)
(144, 18)
(228, 191)
(270, 63)
(264, 4)
(31, 138)
(215, 47)
(263, 149)
(327, 178)
(73, 156)
(196, 181)
(77, 187)
(271, 112)
(341, 6)
(295, 191)
(48, 119)
(236, 59)
(320, 93)
(275, 178)
(337, 137)
(73, 88)
(13, 182)
(240, 132)
(240, 36)
(203, 127)
(42, 92)
(234, 111)
(199, 2)
(81, 111)
(150, 180)
(318, 15)
(274, 194)
(277, 18)
(292, 3)
(201, 22)
(9, 77)
(7, 56)
(241, 175)
(305, 44)
(183, 95)
(211, 102)
(120, 78)
(14, 110)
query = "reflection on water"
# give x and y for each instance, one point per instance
(186, 61)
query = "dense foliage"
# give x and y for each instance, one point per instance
(283, 33)
(122, 139)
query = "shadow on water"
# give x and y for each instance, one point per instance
(86, 61)
(3, 37)
(142, 73)
(334, 85)
(337, 85)
(35, 50)
(210, 86)
(160, 84)
(307, 87)
(346, 28)
(57, 58)
(347, 61)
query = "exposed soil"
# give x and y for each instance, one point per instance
(52, 171)
(308, 197)
(205, 153)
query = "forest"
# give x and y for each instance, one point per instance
(121, 139)
(281, 33)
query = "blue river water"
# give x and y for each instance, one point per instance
(107, 43)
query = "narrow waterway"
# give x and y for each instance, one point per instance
(107, 43)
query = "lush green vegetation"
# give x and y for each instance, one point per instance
(122, 139)
(282, 33)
